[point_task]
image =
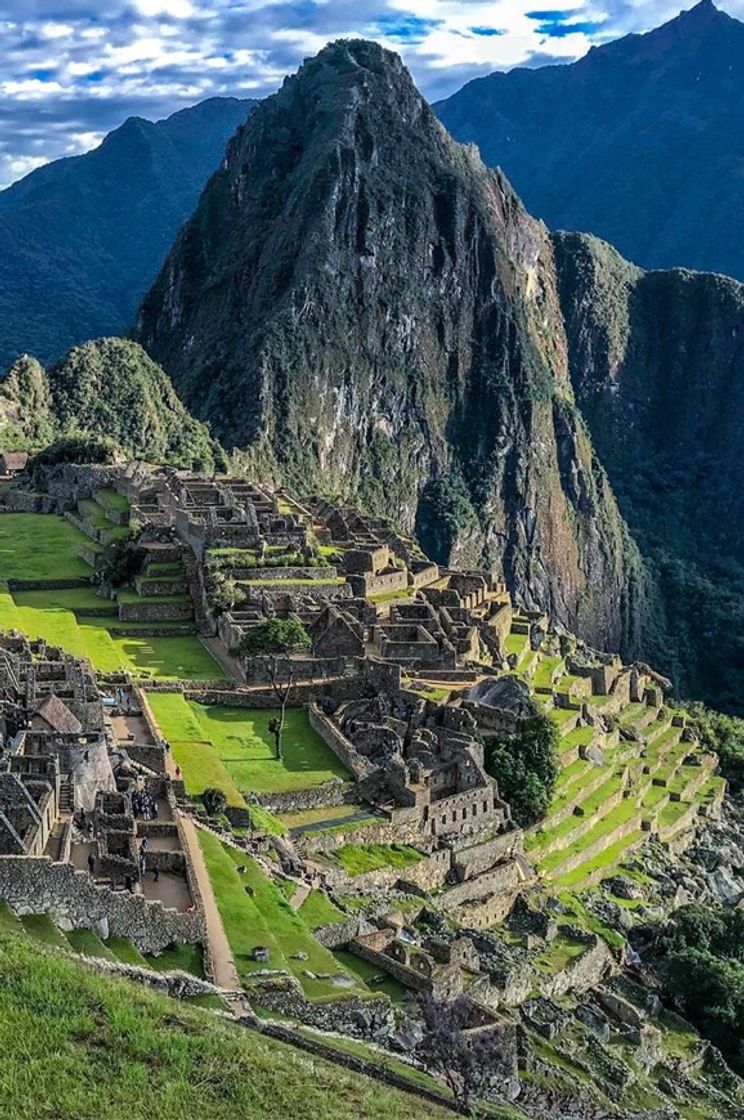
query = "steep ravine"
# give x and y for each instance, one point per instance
(360, 305)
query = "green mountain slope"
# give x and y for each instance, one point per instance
(641, 142)
(108, 387)
(80, 1045)
(383, 320)
(82, 238)
(657, 364)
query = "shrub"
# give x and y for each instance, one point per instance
(214, 801)
(525, 764)
(82, 448)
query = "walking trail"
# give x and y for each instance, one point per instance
(223, 962)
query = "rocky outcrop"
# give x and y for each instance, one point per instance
(359, 304)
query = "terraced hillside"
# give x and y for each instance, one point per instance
(630, 769)
(79, 1044)
(46, 592)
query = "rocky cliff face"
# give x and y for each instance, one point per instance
(360, 305)
(657, 365)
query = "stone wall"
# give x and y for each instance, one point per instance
(39, 886)
(156, 610)
(582, 973)
(342, 747)
(384, 583)
(348, 1014)
(471, 862)
(376, 1070)
(337, 934)
(503, 879)
(277, 592)
(303, 669)
(331, 793)
(281, 572)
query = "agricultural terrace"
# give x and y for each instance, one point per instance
(232, 748)
(39, 548)
(265, 917)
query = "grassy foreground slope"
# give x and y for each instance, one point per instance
(77, 1045)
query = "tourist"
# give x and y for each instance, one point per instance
(128, 884)
(91, 862)
(155, 873)
(178, 772)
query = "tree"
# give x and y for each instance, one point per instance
(525, 764)
(81, 447)
(468, 1062)
(214, 801)
(273, 642)
(121, 560)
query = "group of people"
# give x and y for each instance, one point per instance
(144, 805)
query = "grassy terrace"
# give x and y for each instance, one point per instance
(38, 546)
(77, 1044)
(265, 918)
(233, 748)
(516, 643)
(41, 547)
(546, 671)
(358, 858)
(112, 501)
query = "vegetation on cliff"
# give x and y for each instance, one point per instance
(526, 766)
(108, 390)
(657, 365)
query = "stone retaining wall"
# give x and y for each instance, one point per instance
(503, 879)
(153, 610)
(317, 797)
(378, 1072)
(474, 861)
(582, 973)
(39, 886)
(342, 747)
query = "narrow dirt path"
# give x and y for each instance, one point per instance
(225, 972)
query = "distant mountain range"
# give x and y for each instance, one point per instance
(640, 142)
(82, 238)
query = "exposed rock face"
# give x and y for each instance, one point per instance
(657, 364)
(362, 306)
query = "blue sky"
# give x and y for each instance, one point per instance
(71, 70)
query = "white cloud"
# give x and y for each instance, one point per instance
(74, 69)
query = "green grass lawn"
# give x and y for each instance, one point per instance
(112, 500)
(40, 546)
(78, 1045)
(315, 816)
(266, 918)
(318, 910)
(358, 858)
(545, 672)
(210, 740)
(50, 615)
